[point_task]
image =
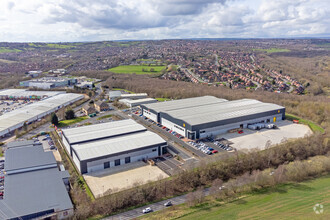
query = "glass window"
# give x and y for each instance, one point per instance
(106, 165)
(117, 162)
(127, 159)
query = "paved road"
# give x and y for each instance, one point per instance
(155, 207)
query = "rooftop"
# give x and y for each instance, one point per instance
(29, 157)
(221, 111)
(35, 188)
(34, 110)
(184, 103)
(103, 130)
(117, 144)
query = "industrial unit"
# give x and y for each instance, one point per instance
(132, 103)
(106, 145)
(113, 95)
(15, 119)
(207, 116)
(49, 82)
(23, 94)
(34, 188)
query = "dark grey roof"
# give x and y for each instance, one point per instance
(25, 158)
(21, 143)
(33, 192)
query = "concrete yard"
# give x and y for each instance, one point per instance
(102, 181)
(257, 139)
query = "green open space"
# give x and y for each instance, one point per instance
(314, 127)
(137, 69)
(285, 201)
(9, 50)
(104, 117)
(162, 99)
(66, 123)
(273, 50)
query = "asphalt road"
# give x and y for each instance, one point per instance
(155, 207)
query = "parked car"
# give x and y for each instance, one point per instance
(214, 151)
(147, 210)
(169, 203)
(240, 132)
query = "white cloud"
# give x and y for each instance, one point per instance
(81, 20)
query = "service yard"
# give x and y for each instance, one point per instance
(258, 139)
(102, 181)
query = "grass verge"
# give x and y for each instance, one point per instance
(314, 127)
(66, 123)
(104, 117)
(284, 201)
(162, 99)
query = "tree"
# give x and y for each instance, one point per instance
(69, 114)
(54, 119)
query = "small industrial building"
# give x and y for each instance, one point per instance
(101, 106)
(34, 187)
(137, 102)
(106, 145)
(113, 95)
(206, 116)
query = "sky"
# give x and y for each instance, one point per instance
(98, 20)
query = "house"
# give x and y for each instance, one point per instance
(88, 109)
(101, 106)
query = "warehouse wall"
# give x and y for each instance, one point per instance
(98, 164)
(174, 127)
(76, 160)
(224, 128)
(150, 115)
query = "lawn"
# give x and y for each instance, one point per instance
(273, 50)
(129, 69)
(66, 123)
(314, 127)
(162, 99)
(103, 117)
(286, 201)
(119, 89)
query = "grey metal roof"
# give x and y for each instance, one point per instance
(21, 143)
(103, 130)
(17, 117)
(33, 192)
(183, 103)
(20, 159)
(117, 144)
(114, 94)
(221, 111)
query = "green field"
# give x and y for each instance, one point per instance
(119, 89)
(8, 50)
(66, 123)
(314, 127)
(286, 201)
(129, 69)
(273, 50)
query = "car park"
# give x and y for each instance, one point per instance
(146, 210)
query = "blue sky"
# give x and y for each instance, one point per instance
(95, 20)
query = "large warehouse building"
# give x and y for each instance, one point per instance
(15, 119)
(206, 116)
(34, 188)
(106, 145)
